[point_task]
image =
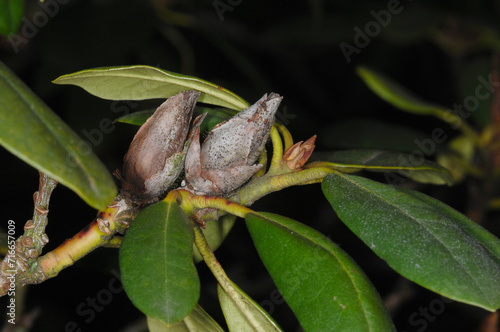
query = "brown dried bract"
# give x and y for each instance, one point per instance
(298, 154)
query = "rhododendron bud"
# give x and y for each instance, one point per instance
(298, 154)
(156, 155)
(228, 156)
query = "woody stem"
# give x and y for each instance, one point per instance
(114, 219)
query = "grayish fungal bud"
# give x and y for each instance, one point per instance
(156, 155)
(228, 156)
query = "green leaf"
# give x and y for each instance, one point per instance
(145, 82)
(421, 238)
(410, 165)
(198, 320)
(325, 288)
(396, 95)
(403, 99)
(213, 118)
(32, 132)
(156, 262)
(136, 118)
(242, 313)
(11, 13)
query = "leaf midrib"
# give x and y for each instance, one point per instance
(57, 138)
(421, 225)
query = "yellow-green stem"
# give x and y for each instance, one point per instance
(265, 185)
(115, 218)
(190, 203)
(277, 150)
(287, 137)
(95, 235)
(209, 258)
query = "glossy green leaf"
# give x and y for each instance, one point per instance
(32, 132)
(213, 118)
(410, 165)
(396, 95)
(156, 263)
(242, 313)
(197, 321)
(325, 288)
(145, 82)
(11, 13)
(421, 238)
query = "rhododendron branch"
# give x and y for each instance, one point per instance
(112, 220)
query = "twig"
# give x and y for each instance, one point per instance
(28, 246)
(114, 219)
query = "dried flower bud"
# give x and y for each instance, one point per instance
(298, 154)
(227, 158)
(155, 157)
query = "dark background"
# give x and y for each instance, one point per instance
(436, 50)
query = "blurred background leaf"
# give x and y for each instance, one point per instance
(11, 13)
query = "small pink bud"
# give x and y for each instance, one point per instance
(228, 156)
(298, 154)
(155, 157)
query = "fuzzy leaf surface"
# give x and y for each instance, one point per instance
(421, 238)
